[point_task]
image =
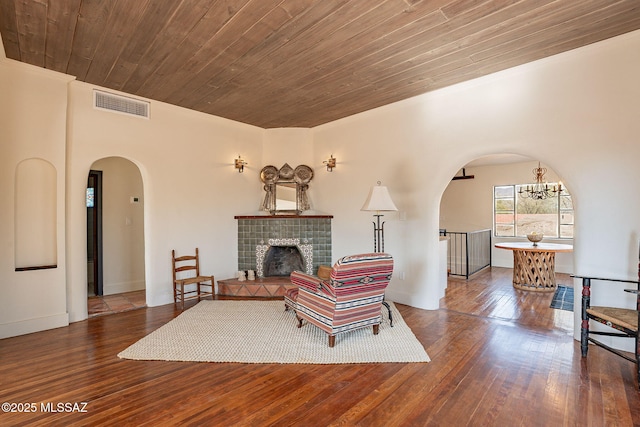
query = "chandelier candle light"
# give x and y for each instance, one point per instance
(379, 200)
(539, 190)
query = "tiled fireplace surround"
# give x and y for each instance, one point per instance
(256, 233)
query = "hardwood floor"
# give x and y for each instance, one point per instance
(499, 357)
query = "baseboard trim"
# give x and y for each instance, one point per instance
(34, 325)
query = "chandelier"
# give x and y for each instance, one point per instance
(539, 190)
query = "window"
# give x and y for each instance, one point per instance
(90, 197)
(515, 216)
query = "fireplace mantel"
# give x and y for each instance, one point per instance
(282, 216)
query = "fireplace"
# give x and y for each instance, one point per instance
(281, 256)
(308, 235)
(282, 261)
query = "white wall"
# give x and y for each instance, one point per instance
(33, 103)
(192, 190)
(287, 145)
(576, 112)
(467, 205)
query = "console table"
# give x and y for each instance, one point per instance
(534, 266)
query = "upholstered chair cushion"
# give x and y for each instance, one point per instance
(324, 272)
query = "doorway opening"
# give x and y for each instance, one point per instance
(475, 204)
(115, 237)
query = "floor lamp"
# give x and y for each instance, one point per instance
(379, 200)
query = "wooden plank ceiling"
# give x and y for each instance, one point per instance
(297, 63)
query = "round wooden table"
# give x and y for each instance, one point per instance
(534, 267)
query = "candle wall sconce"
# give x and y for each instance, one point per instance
(331, 163)
(240, 164)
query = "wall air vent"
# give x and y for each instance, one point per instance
(120, 104)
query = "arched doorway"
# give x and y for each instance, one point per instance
(115, 236)
(468, 206)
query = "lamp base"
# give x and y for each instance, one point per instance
(378, 234)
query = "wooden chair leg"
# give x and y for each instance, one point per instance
(638, 369)
(299, 320)
(182, 296)
(584, 337)
(637, 358)
(584, 326)
(332, 341)
(376, 329)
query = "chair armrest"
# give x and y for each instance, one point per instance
(586, 293)
(603, 279)
(306, 281)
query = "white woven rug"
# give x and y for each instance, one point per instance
(262, 332)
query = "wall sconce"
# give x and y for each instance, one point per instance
(240, 164)
(331, 163)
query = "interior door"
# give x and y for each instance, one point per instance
(94, 231)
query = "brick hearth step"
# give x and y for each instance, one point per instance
(261, 287)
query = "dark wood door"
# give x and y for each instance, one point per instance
(94, 231)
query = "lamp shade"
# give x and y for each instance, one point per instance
(379, 200)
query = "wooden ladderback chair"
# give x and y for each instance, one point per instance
(188, 283)
(624, 321)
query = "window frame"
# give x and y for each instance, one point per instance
(560, 212)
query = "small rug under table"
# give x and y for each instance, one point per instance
(263, 332)
(563, 298)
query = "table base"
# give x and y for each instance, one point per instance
(534, 271)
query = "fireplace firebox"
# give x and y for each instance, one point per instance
(282, 261)
(299, 253)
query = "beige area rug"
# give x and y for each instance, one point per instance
(262, 332)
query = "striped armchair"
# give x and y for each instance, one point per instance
(350, 299)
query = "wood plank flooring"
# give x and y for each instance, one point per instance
(500, 357)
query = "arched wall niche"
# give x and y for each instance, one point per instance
(35, 215)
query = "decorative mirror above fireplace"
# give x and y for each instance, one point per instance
(286, 189)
